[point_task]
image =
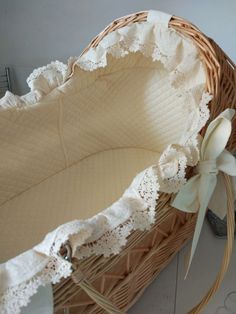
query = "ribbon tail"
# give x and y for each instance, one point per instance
(217, 136)
(218, 201)
(187, 200)
(206, 188)
(197, 232)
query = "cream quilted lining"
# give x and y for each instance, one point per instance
(128, 104)
(88, 137)
(80, 191)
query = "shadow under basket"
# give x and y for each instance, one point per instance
(218, 226)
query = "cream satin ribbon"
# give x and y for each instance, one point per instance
(206, 189)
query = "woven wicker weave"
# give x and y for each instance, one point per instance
(123, 278)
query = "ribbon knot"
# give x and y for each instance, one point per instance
(206, 188)
(207, 167)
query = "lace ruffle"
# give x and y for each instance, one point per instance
(141, 216)
(19, 296)
(152, 40)
(48, 77)
(176, 157)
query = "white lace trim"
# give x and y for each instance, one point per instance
(172, 165)
(152, 40)
(19, 296)
(142, 216)
(101, 234)
(48, 77)
(175, 159)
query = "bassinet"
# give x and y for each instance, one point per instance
(92, 158)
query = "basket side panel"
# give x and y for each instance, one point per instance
(126, 279)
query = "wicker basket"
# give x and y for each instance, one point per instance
(46, 135)
(123, 278)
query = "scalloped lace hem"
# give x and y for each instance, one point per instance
(19, 296)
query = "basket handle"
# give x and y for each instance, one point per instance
(228, 249)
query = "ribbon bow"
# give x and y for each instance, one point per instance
(206, 189)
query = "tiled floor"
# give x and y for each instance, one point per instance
(171, 294)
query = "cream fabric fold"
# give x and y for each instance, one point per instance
(202, 190)
(155, 16)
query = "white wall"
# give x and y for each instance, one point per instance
(35, 32)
